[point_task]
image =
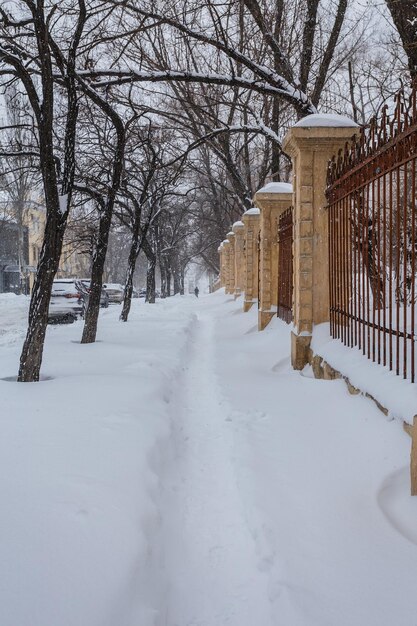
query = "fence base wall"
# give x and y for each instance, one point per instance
(247, 305)
(264, 317)
(300, 350)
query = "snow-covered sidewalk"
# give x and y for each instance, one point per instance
(179, 473)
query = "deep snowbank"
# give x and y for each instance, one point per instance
(324, 480)
(392, 391)
(79, 468)
(13, 318)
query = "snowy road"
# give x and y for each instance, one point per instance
(178, 472)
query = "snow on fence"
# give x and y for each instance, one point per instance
(372, 239)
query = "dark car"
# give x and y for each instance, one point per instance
(66, 303)
(115, 292)
(83, 285)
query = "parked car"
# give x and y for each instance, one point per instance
(83, 285)
(135, 293)
(115, 292)
(67, 302)
(142, 292)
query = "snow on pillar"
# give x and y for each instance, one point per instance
(311, 143)
(251, 221)
(272, 200)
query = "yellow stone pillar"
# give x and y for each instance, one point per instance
(232, 278)
(239, 230)
(311, 143)
(226, 257)
(220, 250)
(272, 200)
(251, 220)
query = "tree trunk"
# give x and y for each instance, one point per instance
(150, 280)
(163, 279)
(177, 282)
(21, 243)
(182, 281)
(99, 259)
(31, 356)
(131, 265)
(91, 318)
(56, 221)
(168, 277)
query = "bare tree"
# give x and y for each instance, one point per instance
(30, 54)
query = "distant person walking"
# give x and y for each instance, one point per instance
(196, 292)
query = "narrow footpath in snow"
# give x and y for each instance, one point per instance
(209, 550)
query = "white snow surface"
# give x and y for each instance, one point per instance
(238, 224)
(392, 391)
(330, 120)
(253, 211)
(276, 188)
(178, 472)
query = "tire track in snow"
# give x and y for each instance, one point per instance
(210, 560)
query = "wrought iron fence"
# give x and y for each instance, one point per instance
(372, 239)
(285, 265)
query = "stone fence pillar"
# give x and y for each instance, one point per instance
(226, 257)
(232, 278)
(272, 200)
(251, 220)
(239, 231)
(311, 143)
(220, 250)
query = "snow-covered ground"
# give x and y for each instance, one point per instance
(179, 473)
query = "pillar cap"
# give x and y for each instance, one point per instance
(230, 234)
(237, 226)
(276, 188)
(274, 196)
(326, 120)
(253, 211)
(318, 136)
